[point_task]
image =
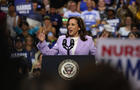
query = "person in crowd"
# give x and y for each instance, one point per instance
(134, 28)
(82, 5)
(73, 10)
(47, 5)
(101, 7)
(122, 12)
(107, 32)
(112, 19)
(121, 3)
(114, 5)
(133, 7)
(10, 19)
(35, 4)
(42, 10)
(47, 26)
(91, 18)
(30, 49)
(83, 44)
(56, 19)
(63, 30)
(4, 6)
(63, 9)
(18, 48)
(132, 35)
(123, 31)
(24, 29)
(51, 40)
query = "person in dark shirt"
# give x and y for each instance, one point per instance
(18, 48)
(30, 49)
(56, 19)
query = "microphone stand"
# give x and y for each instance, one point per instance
(68, 48)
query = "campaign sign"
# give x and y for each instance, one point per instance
(114, 23)
(123, 55)
(23, 8)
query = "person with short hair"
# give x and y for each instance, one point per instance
(91, 18)
(11, 16)
(55, 18)
(30, 49)
(47, 26)
(72, 11)
(63, 29)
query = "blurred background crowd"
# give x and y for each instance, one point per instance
(103, 19)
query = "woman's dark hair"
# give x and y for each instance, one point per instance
(82, 31)
(134, 33)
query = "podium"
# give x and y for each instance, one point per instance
(65, 67)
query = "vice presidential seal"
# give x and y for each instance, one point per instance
(68, 69)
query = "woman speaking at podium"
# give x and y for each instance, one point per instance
(76, 42)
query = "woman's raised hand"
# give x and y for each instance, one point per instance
(41, 36)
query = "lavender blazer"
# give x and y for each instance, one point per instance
(83, 48)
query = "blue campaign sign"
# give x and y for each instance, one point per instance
(23, 8)
(19, 1)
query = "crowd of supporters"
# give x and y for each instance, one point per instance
(102, 18)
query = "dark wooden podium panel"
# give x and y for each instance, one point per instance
(50, 64)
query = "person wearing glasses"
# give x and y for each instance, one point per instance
(63, 29)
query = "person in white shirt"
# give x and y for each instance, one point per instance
(91, 17)
(10, 19)
(72, 12)
(124, 31)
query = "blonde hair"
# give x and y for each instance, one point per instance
(37, 55)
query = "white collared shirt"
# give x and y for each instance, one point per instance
(75, 44)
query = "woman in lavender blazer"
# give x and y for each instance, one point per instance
(83, 44)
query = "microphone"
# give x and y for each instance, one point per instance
(68, 48)
(71, 43)
(64, 43)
